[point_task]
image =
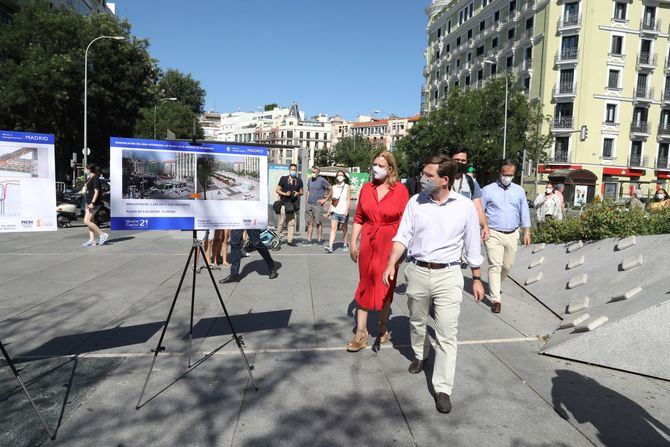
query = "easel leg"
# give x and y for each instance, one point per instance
(25, 391)
(238, 339)
(167, 322)
(196, 243)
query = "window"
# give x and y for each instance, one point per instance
(494, 43)
(480, 50)
(301, 134)
(620, 10)
(316, 135)
(494, 68)
(662, 161)
(308, 135)
(437, 54)
(608, 147)
(458, 63)
(610, 114)
(439, 33)
(289, 134)
(613, 79)
(482, 25)
(510, 62)
(529, 23)
(512, 5)
(436, 96)
(510, 34)
(617, 45)
(448, 26)
(526, 84)
(458, 40)
(480, 75)
(496, 16)
(562, 148)
(469, 57)
(528, 55)
(467, 80)
(470, 33)
(571, 11)
(447, 48)
(460, 17)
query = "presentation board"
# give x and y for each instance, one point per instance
(27, 182)
(176, 185)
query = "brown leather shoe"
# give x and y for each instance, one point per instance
(496, 307)
(443, 403)
(416, 366)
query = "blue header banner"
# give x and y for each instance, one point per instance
(26, 137)
(186, 146)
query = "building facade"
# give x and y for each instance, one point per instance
(83, 7)
(603, 64)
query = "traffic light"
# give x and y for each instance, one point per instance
(583, 133)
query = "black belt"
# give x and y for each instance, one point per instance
(434, 265)
(505, 232)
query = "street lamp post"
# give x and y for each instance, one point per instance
(505, 121)
(85, 151)
(156, 111)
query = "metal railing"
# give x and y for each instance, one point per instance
(565, 122)
(650, 24)
(528, 34)
(567, 54)
(664, 129)
(570, 20)
(560, 157)
(566, 88)
(638, 160)
(642, 127)
(661, 162)
(643, 93)
(665, 96)
(647, 59)
(527, 64)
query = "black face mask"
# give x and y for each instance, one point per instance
(462, 168)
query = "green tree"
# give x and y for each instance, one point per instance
(475, 119)
(42, 78)
(270, 107)
(174, 116)
(349, 152)
(175, 84)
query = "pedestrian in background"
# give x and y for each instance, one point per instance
(381, 203)
(506, 211)
(236, 254)
(468, 187)
(661, 200)
(435, 228)
(289, 189)
(93, 199)
(558, 190)
(339, 210)
(318, 193)
(547, 206)
(636, 200)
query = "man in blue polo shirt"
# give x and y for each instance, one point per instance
(506, 211)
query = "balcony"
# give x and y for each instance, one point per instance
(637, 160)
(641, 94)
(661, 162)
(665, 97)
(528, 34)
(569, 22)
(562, 123)
(664, 130)
(567, 56)
(647, 61)
(650, 26)
(565, 90)
(640, 128)
(527, 65)
(560, 157)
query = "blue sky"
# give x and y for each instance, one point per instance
(344, 57)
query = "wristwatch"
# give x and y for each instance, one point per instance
(476, 278)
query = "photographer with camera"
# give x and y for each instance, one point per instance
(289, 189)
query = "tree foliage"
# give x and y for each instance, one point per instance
(173, 116)
(346, 153)
(475, 119)
(42, 78)
(175, 84)
(270, 107)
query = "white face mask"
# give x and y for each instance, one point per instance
(379, 173)
(506, 180)
(548, 191)
(660, 196)
(340, 178)
(315, 174)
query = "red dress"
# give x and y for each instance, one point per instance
(380, 220)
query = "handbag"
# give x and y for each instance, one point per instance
(276, 207)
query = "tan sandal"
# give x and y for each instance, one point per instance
(384, 337)
(359, 342)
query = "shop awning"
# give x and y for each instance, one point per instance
(573, 177)
(624, 172)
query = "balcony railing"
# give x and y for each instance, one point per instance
(640, 127)
(565, 122)
(528, 34)
(570, 21)
(650, 25)
(647, 59)
(664, 130)
(637, 160)
(527, 64)
(567, 55)
(646, 94)
(661, 162)
(560, 157)
(566, 88)
(665, 96)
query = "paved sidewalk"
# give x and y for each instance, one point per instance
(81, 323)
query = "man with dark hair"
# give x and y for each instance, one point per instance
(289, 190)
(436, 225)
(506, 210)
(467, 186)
(318, 193)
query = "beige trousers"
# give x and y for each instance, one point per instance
(500, 252)
(444, 289)
(286, 220)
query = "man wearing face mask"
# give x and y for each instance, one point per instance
(318, 193)
(436, 225)
(289, 190)
(506, 211)
(468, 187)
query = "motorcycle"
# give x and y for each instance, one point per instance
(68, 209)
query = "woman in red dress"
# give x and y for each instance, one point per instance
(381, 204)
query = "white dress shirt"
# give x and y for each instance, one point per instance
(434, 232)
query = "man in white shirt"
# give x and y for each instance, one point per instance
(437, 223)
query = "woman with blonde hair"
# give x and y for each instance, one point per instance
(381, 203)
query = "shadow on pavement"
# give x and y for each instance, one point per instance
(251, 322)
(618, 420)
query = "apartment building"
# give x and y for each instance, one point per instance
(603, 64)
(84, 7)
(387, 131)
